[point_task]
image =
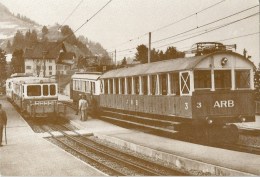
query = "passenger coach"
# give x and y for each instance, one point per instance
(85, 83)
(213, 88)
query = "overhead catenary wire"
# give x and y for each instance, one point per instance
(83, 24)
(168, 25)
(192, 29)
(222, 26)
(71, 13)
(206, 24)
(220, 40)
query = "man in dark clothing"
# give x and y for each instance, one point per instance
(3, 122)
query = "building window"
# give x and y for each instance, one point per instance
(136, 85)
(105, 86)
(122, 85)
(45, 90)
(153, 84)
(28, 67)
(50, 67)
(129, 85)
(50, 73)
(164, 84)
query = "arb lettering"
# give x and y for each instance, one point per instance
(224, 103)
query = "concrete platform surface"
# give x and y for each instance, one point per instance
(28, 154)
(185, 155)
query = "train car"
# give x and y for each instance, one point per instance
(86, 83)
(35, 96)
(212, 87)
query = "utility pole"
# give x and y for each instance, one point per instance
(115, 58)
(149, 48)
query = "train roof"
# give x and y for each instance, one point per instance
(180, 64)
(31, 80)
(86, 75)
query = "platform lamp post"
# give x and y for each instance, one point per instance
(44, 53)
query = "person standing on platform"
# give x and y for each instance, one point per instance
(3, 122)
(83, 105)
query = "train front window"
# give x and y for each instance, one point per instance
(45, 90)
(52, 90)
(222, 79)
(202, 79)
(34, 90)
(242, 79)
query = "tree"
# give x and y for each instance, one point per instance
(172, 53)
(67, 32)
(45, 30)
(124, 62)
(257, 83)
(3, 74)
(18, 41)
(17, 61)
(142, 53)
(33, 37)
(8, 47)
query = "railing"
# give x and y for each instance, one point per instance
(257, 107)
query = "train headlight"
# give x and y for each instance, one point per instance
(242, 119)
(209, 121)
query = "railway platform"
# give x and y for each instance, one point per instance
(195, 158)
(28, 154)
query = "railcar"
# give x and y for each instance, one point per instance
(35, 96)
(214, 87)
(86, 83)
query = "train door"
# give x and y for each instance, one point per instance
(186, 83)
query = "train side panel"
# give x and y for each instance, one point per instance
(227, 106)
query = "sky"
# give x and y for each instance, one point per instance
(124, 24)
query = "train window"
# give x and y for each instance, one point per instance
(74, 85)
(185, 83)
(129, 85)
(33, 90)
(84, 86)
(116, 86)
(145, 89)
(105, 86)
(175, 88)
(242, 78)
(222, 79)
(202, 79)
(136, 86)
(111, 86)
(122, 85)
(163, 86)
(92, 87)
(153, 84)
(52, 90)
(45, 90)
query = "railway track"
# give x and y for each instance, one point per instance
(109, 160)
(166, 128)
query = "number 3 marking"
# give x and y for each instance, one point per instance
(186, 106)
(199, 105)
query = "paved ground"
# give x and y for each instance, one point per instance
(28, 154)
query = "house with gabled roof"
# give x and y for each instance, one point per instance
(43, 57)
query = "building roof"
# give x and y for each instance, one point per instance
(31, 80)
(66, 58)
(52, 50)
(179, 64)
(87, 75)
